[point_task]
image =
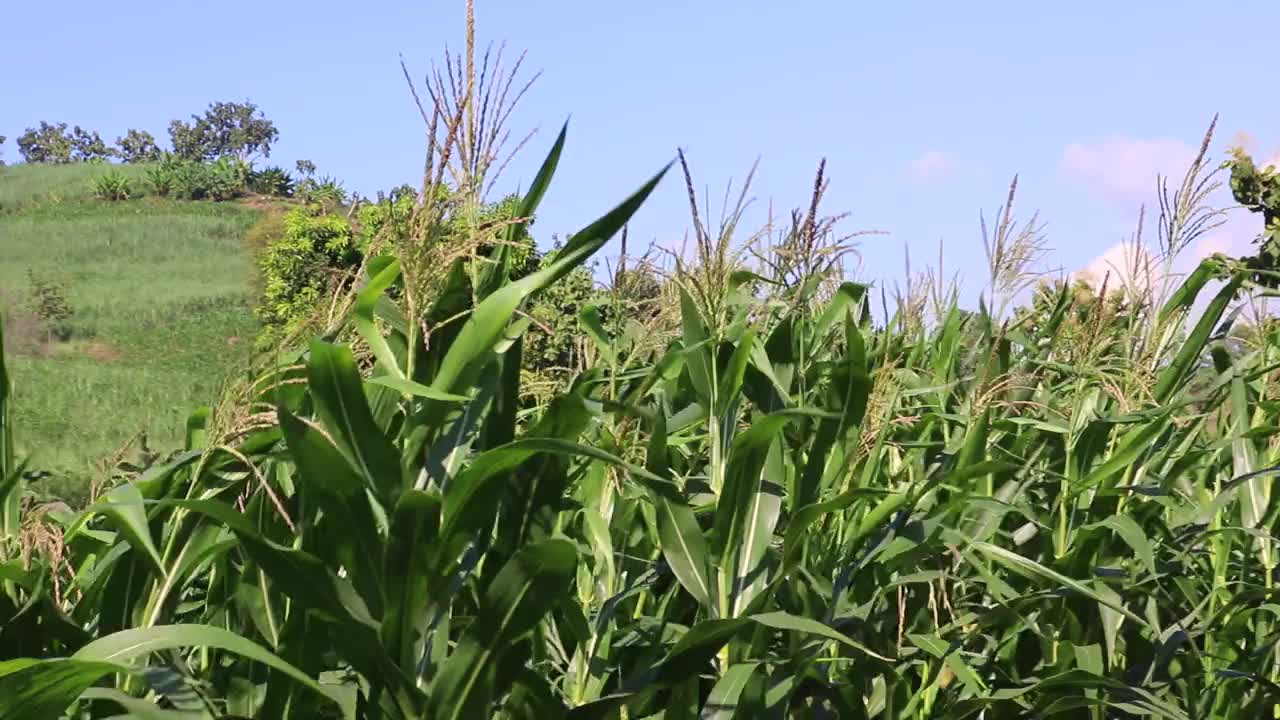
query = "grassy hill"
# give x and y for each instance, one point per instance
(161, 312)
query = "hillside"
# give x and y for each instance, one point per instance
(160, 313)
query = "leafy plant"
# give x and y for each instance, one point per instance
(314, 256)
(751, 502)
(274, 181)
(325, 191)
(163, 177)
(50, 304)
(1258, 190)
(113, 186)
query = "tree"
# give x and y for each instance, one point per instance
(87, 146)
(227, 129)
(49, 143)
(1258, 190)
(138, 146)
(2, 141)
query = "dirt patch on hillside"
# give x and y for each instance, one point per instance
(24, 334)
(102, 352)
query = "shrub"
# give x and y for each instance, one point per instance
(228, 178)
(225, 179)
(297, 269)
(325, 191)
(163, 177)
(112, 186)
(49, 303)
(222, 180)
(138, 146)
(274, 181)
(551, 345)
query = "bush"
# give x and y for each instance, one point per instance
(299, 267)
(112, 187)
(274, 181)
(326, 191)
(223, 180)
(49, 303)
(163, 177)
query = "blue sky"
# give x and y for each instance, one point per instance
(923, 110)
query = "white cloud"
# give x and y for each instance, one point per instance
(1125, 168)
(1211, 244)
(1123, 265)
(932, 165)
(1135, 267)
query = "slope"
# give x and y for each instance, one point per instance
(161, 314)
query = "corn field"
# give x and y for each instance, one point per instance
(771, 506)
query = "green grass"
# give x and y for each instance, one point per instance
(27, 185)
(162, 314)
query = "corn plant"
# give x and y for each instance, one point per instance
(778, 510)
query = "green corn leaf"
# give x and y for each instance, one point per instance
(123, 506)
(697, 354)
(731, 380)
(743, 478)
(470, 499)
(679, 537)
(1027, 566)
(343, 407)
(684, 548)
(941, 649)
(409, 387)
(747, 511)
(802, 520)
(523, 591)
(780, 620)
(722, 703)
(415, 525)
(43, 689)
(128, 645)
(299, 574)
(1244, 460)
(694, 650)
(8, 498)
(141, 709)
(332, 483)
(382, 275)
(1129, 531)
(496, 272)
(1129, 448)
(589, 319)
(463, 363)
(849, 295)
(1171, 377)
(851, 388)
